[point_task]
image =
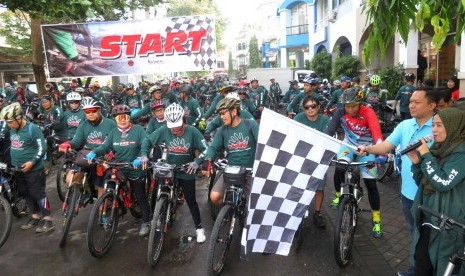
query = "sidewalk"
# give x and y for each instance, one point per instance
(383, 256)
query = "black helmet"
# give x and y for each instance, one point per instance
(410, 76)
(130, 86)
(120, 109)
(352, 95)
(292, 82)
(186, 88)
(313, 75)
(356, 79)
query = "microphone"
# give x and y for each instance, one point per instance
(415, 145)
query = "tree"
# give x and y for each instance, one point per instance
(254, 53)
(389, 17)
(345, 66)
(14, 27)
(52, 11)
(392, 78)
(321, 64)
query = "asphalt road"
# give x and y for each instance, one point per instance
(27, 253)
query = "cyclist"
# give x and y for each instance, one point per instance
(336, 97)
(310, 88)
(361, 127)
(28, 148)
(275, 89)
(292, 92)
(246, 103)
(258, 93)
(90, 134)
(403, 95)
(166, 94)
(125, 141)
(155, 94)
(440, 170)
(374, 96)
(143, 91)
(355, 82)
(132, 99)
(223, 91)
(53, 116)
(176, 89)
(158, 119)
(239, 139)
(312, 118)
(182, 141)
(74, 115)
(117, 96)
(192, 110)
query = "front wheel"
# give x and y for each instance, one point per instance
(6, 219)
(385, 168)
(68, 212)
(344, 231)
(220, 240)
(158, 230)
(102, 225)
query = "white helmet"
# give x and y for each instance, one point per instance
(79, 89)
(89, 102)
(233, 95)
(174, 114)
(73, 96)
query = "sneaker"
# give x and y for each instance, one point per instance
(377, 230)
(45, 226)
(335, 202)
(32, 222)
(144, 229)
(201, 235)
(407, 272)
(319, 220)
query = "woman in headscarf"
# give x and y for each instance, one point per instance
(440, 174)
(453, 84)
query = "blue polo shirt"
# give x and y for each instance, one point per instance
(407, 132)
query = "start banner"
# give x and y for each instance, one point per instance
(164, 45)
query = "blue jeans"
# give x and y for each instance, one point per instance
(406, 209)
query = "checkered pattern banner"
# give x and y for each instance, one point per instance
(289, 161)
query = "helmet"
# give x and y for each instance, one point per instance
(120, 109)
(89, 102)
(316, 81)
(346, 79)
(130, 86)
(165, 82)
(227, 103)
(226, 89)
(410, 76)
(233, 95)
(12, 111)
(186, 88)
(79, 89)
(120, 84)
(253, 79)
(308, 79)
(337, 82)
(375, 80)
(272, 78)
(325, 81)
(47, 97)
(292, 82)
(352, 95)
(143, 83)
(356, 79)
(154, 88)
(48, 86)
(313, 75)
(173, 115)
(157, 104)
(73, 96)
(210, 79)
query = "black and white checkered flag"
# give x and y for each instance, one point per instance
(289, 161)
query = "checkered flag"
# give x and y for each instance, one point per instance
(206, 58)
(290, 160)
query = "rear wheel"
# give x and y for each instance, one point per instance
(62, 186)
(158, 230)
(6, 219)
(220, 240)
(69, 212)
(102, 225)
(344, 231)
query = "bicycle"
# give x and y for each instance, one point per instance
(167, 195)
(234, 208)
(104, 216)
(77, 196)
(446, 223)
(218, 168)
(11, 203)
(349, 207)
(53, 154)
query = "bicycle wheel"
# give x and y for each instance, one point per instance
(68, 213)
(152, 196)
(344, 231)
(158, 230)
(385, 169)
(6, 219)
(220, 240)
(62, 186)
(102, 225)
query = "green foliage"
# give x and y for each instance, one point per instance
(16, 30)
(392, 78)
(321, 64)
(254, 54)
(388, 17)
(345, 66)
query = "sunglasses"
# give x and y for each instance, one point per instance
(74, 102)
(223, 111)
(311, 106)
(91, 110)
(122, 117)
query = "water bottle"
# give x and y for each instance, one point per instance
(5, 184)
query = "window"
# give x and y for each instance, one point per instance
(299, 20)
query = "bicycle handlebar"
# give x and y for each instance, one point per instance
(345, 164)
(223, 163)
(112, 164)
(444, 221)
(179, 168)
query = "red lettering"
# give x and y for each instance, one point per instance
(197, 37)
(131, 43)
(110, 46)
(175, 42)
(151, 45)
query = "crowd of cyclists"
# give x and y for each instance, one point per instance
(194, 119)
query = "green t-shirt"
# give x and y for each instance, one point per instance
(213, 105)
(28, 144)
(134, 101)
(403, 95)
(192, 111)
(126, 147)
(320, 124)
(238, 141)
(90, 136)
(154, 124)
(180, 150)
(73, 119)
(296, 105)
(54, 116)
(336, 98)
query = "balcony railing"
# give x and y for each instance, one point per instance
(297, 30)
